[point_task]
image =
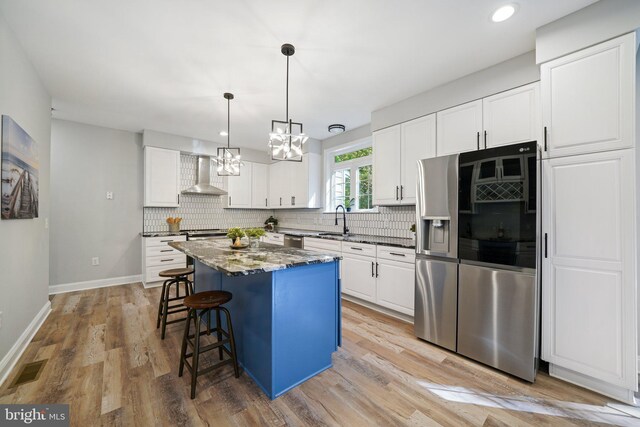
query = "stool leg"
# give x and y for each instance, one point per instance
(186, 285)
(209, 322)
(164, 286)
(232, 342)
(196, 357)
(185, 337)
(218, 326)
(166, 307)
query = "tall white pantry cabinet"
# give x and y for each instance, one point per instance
(589, 220)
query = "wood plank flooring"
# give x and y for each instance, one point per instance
(107, 361)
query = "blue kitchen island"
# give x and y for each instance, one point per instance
(285, 308)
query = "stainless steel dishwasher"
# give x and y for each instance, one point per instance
(293, 241)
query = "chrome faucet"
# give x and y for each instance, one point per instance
(345, 229)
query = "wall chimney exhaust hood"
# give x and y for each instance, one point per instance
(203, 185)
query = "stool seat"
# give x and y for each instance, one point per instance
(208, 299)
(176, 272)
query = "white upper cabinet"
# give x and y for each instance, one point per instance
(239, 188)
(259, 186)
(395, 153)
(161, 177)
(417, 141)
(386, 166)
(587, 99)
(511, 117)
(459, 128)
(296, 184)
(589, 270)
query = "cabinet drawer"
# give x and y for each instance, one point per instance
(152, 273)
(397, 254)
(359, 249)
(163, 240)
(164, 250)
(164, 260)
(332, 246)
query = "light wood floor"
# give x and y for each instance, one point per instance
(107, 360)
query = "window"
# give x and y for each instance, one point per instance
(350, 174)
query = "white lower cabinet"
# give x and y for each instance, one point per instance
(589, 271)
(395, 276)
(157, 256)
(381, 275)
(358, 276)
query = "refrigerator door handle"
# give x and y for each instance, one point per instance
(546, 253)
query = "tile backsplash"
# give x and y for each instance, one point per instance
(204, 212)
(201, 211)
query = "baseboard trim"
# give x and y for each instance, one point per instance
(9, 361)
(93, 284)
(619, 393)
(378, 308)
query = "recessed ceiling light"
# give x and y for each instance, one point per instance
(503, 13)
(223, 133)
(336, 128)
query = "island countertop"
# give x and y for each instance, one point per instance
(241, 262)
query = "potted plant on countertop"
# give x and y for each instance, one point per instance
(413, 231)
(271, 223)
(235, 234)
(254, 235)
(348, 204)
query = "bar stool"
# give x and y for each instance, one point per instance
(207, 301)
(176, 277)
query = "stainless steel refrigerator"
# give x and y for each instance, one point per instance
(436, 296)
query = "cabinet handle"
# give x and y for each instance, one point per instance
(545, 138)
(478, 139)
(397, 188)
(485, 139)
(178, 198)
(372, 269)
(396, 254)
(265, 202)
(546, 253)
(280, 201)
(293, 200)
(356, 249)
(376, 269)
(401, 188)
(166, 250)
(165, 241)
(229, 200)
(166, 260)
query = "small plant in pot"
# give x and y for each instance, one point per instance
(413, 232)
(235, 234)
(254, 235)
(271, 223)
(348, 204)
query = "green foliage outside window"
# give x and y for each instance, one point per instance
(353, 155)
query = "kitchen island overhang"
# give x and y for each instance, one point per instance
(286, 309)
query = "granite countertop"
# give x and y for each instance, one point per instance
(241, 262)
(399, 242)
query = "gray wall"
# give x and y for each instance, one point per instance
(24, 252)
(506, 75)
(595, 23)
(86, 162)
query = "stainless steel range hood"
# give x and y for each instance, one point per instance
(203, 185)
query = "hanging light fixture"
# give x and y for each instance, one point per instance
(228, 158)
(286, 137)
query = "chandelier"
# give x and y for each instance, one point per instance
(286, 137)
(228, 159)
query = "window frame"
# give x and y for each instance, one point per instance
(330, 166)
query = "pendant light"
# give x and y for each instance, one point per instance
(228, 158)
(286, 137)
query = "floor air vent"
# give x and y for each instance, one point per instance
(30, 372)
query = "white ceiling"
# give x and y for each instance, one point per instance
(164, 64)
